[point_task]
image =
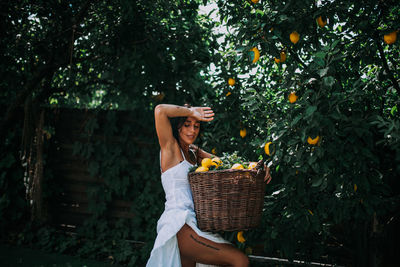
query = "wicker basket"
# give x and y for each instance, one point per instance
(228, 200)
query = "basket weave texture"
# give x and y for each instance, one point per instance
(228, 200)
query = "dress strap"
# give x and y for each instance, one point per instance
(183, 154)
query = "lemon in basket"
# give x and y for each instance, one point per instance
(237, 166)
(217, 162)
(206, 162)
(252, 165)
(201, 169)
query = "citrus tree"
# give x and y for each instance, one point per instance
(320, 81)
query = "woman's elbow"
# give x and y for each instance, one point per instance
(158, 109)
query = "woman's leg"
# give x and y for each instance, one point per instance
(194, 248)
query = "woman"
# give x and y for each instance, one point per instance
(179, 242)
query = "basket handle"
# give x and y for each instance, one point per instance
(263, 169)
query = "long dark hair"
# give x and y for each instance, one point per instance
(176, 124)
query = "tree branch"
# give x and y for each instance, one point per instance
(46, 70)
(11, 112)
(386, 66)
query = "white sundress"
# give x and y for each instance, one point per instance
(179, 209)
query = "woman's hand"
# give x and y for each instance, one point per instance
(265, 170)
(203, 113)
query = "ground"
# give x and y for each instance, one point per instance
(17, 257)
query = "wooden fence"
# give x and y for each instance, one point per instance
(69, 208)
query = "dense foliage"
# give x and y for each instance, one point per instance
(343, 189)
(337, 198)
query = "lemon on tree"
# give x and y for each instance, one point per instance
(240, 237)
(255, 55)
(267, 148)
(243, 132)
(282, 57)
(294, 37)
(390, 38)
(231, 81)
(321, 20)
(313, 141)
(255, 1)
(293, 97)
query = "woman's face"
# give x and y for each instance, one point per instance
(189, 130)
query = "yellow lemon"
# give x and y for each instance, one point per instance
(321, 21)
(240, 237)
(231, 81)
(255, 1)
(293, 97)
(206, 162)
(201, 169)
(355, 187)
(313, 141)
(243, 132)
(256, 54)
(266, 148)
(283, 56)
(390, 38)
(294, 37)
(237, 166)
(217, 161)
(252, 165)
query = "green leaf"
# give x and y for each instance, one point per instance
(328, 81)
(393, 110)
(310, 110)
(333, 45)
(320, 54)
(296, 120)
(260, 12)
(317, 181)
(323, 72)
(319, 61)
